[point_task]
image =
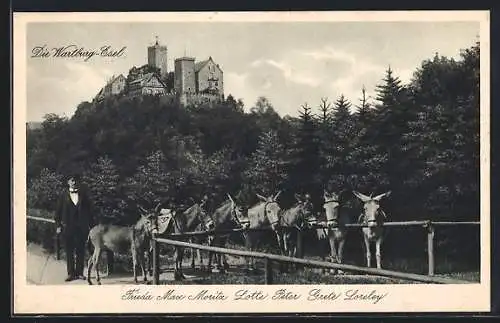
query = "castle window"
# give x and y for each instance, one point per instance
(216, 83)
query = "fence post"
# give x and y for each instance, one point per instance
(430, 247)
(300, 243)
(269, 271)
(58, 247)
(156, 261)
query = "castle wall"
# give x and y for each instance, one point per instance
(118, 85)
(210, 77)
(184, 79)
(198, 99)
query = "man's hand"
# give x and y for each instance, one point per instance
(58, 230)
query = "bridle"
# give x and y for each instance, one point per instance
(198, 216)
(278, 217)
(333, 223)
(234, 214)
(302, 218)
(378, 213)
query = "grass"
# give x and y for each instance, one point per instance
(238, 275)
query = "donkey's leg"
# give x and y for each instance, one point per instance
(333, 250)
(97, 261)
(368, 252)
(281, 242)
(193, 265)
(90, 264)
(224, 256)
(340, 254)
(181, 255)
(199, 255)
(378, 253)
(142, 263)
(178, 263)
(134, 263)
(176, 269)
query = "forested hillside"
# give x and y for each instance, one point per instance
(419, 140)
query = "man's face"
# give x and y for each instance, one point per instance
(72, 184)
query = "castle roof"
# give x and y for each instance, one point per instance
(185, 58)
(198, 66)
(144, 79)
(114, 78)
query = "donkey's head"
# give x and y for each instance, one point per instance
(371, 207)
(148, 220)
(238, 214)
(305, 208)
(205, 218)
(271, 209)
(331, 205)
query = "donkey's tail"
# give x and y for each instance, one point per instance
(90, 246)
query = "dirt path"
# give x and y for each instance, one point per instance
(42, 268)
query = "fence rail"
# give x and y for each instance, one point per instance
(278, 258)
(41, 219)
(324, 226)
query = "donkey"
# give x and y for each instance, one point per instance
(263, 214)
(292, 220)
(186, 221)
(227, 216)
(372, 217)
(117, 239)
(336, 230)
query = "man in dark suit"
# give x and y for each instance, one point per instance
(74, 218)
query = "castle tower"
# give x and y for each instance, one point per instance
(157, 57)
(184, 80)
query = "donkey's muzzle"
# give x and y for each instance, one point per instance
(209, 225)
(312, 222)
(332, 223)
(245, 224)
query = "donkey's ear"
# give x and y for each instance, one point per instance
(361, 196)
(261, 197)
(297, 197)
(379, 197)
(230, 198)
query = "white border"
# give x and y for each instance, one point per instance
(106, 299)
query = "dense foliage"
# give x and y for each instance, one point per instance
(420, 140)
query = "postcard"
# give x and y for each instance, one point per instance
(251, 162)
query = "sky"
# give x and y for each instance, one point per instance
(290, 63)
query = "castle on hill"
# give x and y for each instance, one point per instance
(191, 82)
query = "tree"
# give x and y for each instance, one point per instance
(266, 171)
(304, 155)
(151, 184)
(444, 138)
(343, 130)
(367, 160)
(105, 188)
(392, 115)
(325, 138)
(44, 191)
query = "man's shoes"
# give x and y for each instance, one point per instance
(81, 277)
(69, 278)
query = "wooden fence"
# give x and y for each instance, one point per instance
(428, 225)
(268, 258)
